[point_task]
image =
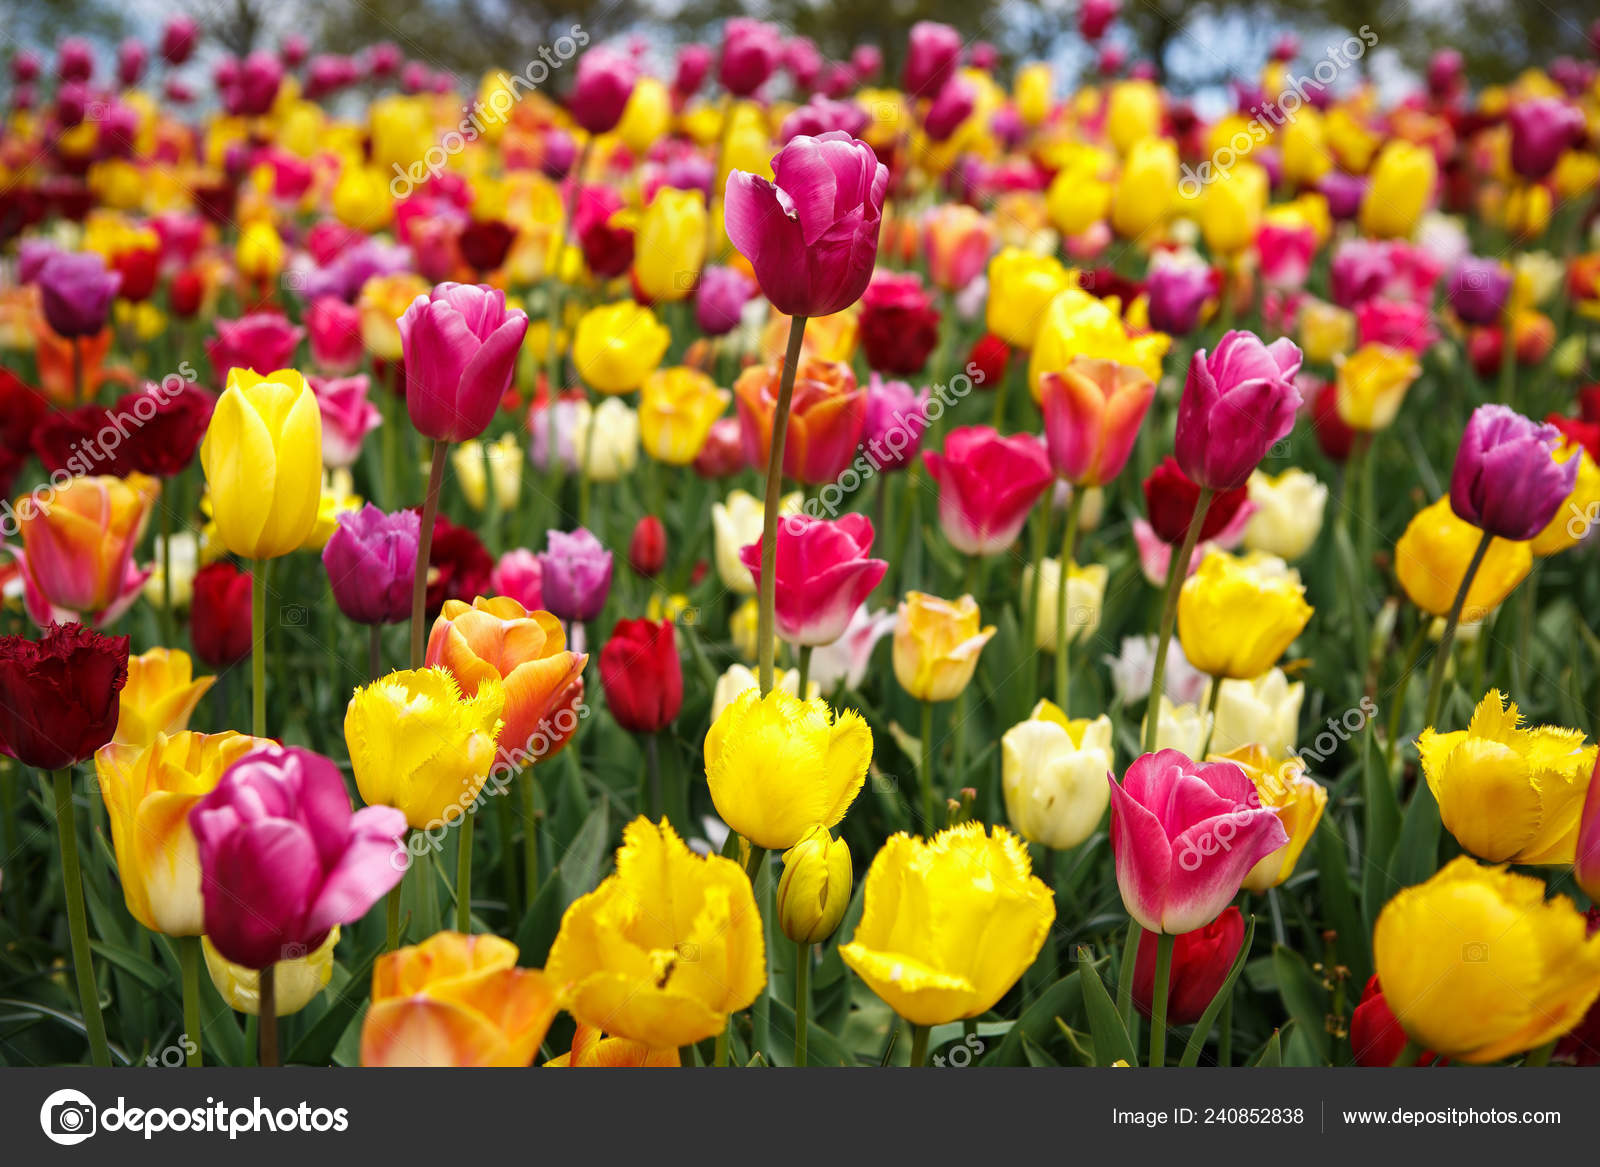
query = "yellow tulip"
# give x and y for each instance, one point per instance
(295, 982)
(1021, 286)
(418, 745)
(259, 254)
(148, 792)
(1032, 92)
(1401, 186)
(1184, 728)
(1264, 711)
(1506, 793)
(936, 645)
(262, 457)
(1578, 513)
(1577, 172)
(400, 131)
(670, 245)
(1133, 114)
(478, 465)
(1053, 771)
(735, 524)
(618, 345)
(777, 765)
(1077, 201)
(334, 500)
(159, 697)
(1231, 209)
(677, 407)
(1288, 512)
(1086, 593)
(1527, 210)
(647, 117)
(744, 627)
(815, 888)
(1304, 146)
(1237, 615)
(949, 924)
(1478, 965)
(1431, 559)
(1352, 143)
(1077, 324)
(1372, 384)
(383, 300)
(1326, 331)
(361, 198)
(664, 949)
(1146, 188)
(1284, 786)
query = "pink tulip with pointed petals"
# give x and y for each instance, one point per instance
(823, 575)
(987, 486)
(460, 343)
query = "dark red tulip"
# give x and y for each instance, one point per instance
(1200, 963)
(899, 324)
(219, 615)
(641, 675)
(59, 695)
(1170, 497)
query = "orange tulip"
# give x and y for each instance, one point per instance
(826, 415)
(592, 1049)
(65, 382)
(77, 547)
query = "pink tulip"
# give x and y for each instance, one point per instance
(1185, 834)
(335, 330)
(520, 576)
(1237, 401)
(932, 55)
(987, 486)
(347, 417)
(283, 859)
(262, 341)
(1095, 16)
(1092, 413)
(823, 575)
(694, 63)
(600, 93)
(845, 660)
(953, 106)
(1286, 253)
(751, 50)
(1542, 129)
(812, 234)
(460, 344)
(1399, 324)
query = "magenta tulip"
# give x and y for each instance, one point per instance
(76, 289)
(812, 234)
(931, 58)
(1506, 480)
(987, 486)
(520, 576)
(751, 50)
(950, 108)
(1542, 129)
(371, 560)
(335, 331)
(1237, 401)
(600, 93)
(719, 301)
(1185, 834)
(823, 575)
(283, 859)
(347, 417)
(262, 341)
(460, 344)
(178, 39)
(694, 64)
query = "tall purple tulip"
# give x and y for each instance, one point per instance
(812, 234)
(751, 50)
(1542, 129)
(720, 299)
(460, 344)
(601, 90)
(1506, 479)
(931, 58)
(283, 859)
(1478, 290)
(1237, 401)
(76, 290)
(371, 560)
(576, 574)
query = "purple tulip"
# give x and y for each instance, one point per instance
(460, 344)
(897, 417)
(371, 560)
(32, 255)
(1445, 72)
(1506, 479)
(694, 65)
(751, 50)
(1542, 129)
(575, 575)
(1478, 290)
(76, 290)
(560, 152)
(283, 859)
(721, 298)
(1344, 193)
(931, 58)
(1237, 401)
(953, 106)
(1177, 293)
(600, 93)
(811, 235)
(178, 40)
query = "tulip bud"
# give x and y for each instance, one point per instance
(815, 888)
(647, 550)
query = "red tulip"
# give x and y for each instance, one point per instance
(988, 360)
(219, 615)
(899, 324)
(1170, 498)
(1376, 1038)
(647, 550)
(823, 575)
(987, 486)
(59, 695)
(641, 675)
(1200, 963)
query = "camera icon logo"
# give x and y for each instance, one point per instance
(68, 1117)
(1475, 952)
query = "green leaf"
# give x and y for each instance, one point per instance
(1037, 1019)
(316, 1046)
(1380, 830)
(1202, 1028)
(1339, 903)
(1416, 856)
(1111, 1040)
(1271, 1054)
(1303, 996)
(146, 972)
(579, 868)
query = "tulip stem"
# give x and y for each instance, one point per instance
(464, 873)
(719, 1055)
(168, 625)
(805, 671)
(258, 648)
(802, 999)
(1441, 656)
(1158, 1008)
(189, 961)
(94, 1025)
(584, 476)
(1177, 572)
(374, 652)
(1063, 671)
(530, 836)
(1408, 1055)
(927, 769)
(1211, 716)
(419, 584)
(919, 1045)
(392, 911)
(267, 1011)
(766, 622)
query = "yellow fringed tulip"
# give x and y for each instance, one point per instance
(1478, 965)
(159, 697)
(1431, 559)
(1237, 615)
(418, 745)
(777, 765)
(949, 924)
(815, 888)
(936, 645)
(664, 949)
(670, 245)
(262, 457)
(1284, 786)
(677, 407)
(1506, 793)
(617, 346)
(1053, 770)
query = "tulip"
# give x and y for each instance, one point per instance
(1079, 196)
(77, 550)
(456, 1000)
(897, 419)
(591, 1049)
(1283, 786)
(1571, 522)
(75, 293)
(777, 766)
(1201, 961)
(600, 93)
(1077, 325)
(956, 241)
(484, 467)
(296, 982)
(262, 457)
(1185, 835)
(936, 645)
(370, 559)
(1506, 480)
(1288, 513)
(815, 889)
(576, 574)
(1286, 251)
(1447, 949)
(1237, 401)
(641, 675)
(1479, 289)
(987, 486)
(1432, 558)
(750, 52)
(460, 345)
(1542, 130)
(1086, 589)
(1506, 793)
(1263, 711)
(1231, 210)
(1053, 773)
(159, 697)
(617, 346)
(899, 324)
(1171, 500)
(347, 417)
(670, 245)
(737, 679)
(519, 576)
(827, 411)
(1402, 181)
(822, 573)
(815, 258)
(259, 343)
(621, 959)
(384, 301)
(1326, 331)
(938, 945)
(677, 408)
(334, 328)
(647, 549)
(1146, 188)
(1179, 294)
(720, 299)
(1376, 1038)
(1237, 616)
(613, 451)
(1022, 285)
(1586, 848)
(1092, 413)
(1372, 384)
(735, 524)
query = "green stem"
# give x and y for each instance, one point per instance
(189, 961)
(802, 999)
(258, 649)
(1177, 572)
(464, 873)
(1508, 360)
(1408, 1055)
(1441, 655)
(94, 1025)
(1039, 535)
(374, 652)
(419, 585)
(168, 624)
(1130, 958)
(268, 1014)
(805, 670)
(584, 477)
(928, 824)
(650, 796)
(1063, 673)
(1540, 1056)
(1211, 717)
(766, 622)
(719, 1056)
(1158, 1007)
(392, 912)
(530, 835)
(919, 1045)
(752, 865)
